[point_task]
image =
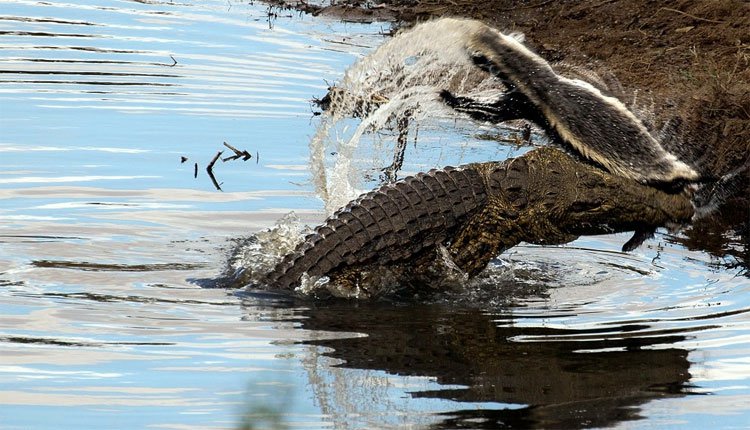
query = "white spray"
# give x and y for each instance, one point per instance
(402, 77)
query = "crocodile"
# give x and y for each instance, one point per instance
(475, 212)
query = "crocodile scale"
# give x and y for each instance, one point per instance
(392, 223)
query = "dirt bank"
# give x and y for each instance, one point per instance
(691, 57)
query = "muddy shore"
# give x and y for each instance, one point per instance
(689, 58)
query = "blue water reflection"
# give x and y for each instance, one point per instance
(100, 100)
(94, 92)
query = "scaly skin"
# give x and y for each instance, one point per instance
(393, 223)
(476, 212)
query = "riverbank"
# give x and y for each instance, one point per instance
(687, 59)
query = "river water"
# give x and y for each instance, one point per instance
(110, 248)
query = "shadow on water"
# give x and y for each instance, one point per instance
(596, 379)
(725, 234)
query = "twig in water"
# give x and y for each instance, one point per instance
(175, 61)
(237, 154)
(195, 172)
(210, 170)
(390, 173)
(183, 159)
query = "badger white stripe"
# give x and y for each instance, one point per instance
(637, 155)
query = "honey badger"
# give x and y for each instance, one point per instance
(573, 113)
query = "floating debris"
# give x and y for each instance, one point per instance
(244, 155)
(237, 154)
(210, 170)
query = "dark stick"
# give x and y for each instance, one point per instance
(390, 173)
(210, 170)
(195, 172)
(235, 150)
(244, 154)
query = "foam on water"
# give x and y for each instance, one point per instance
(258, 254)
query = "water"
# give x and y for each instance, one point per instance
(109, 245)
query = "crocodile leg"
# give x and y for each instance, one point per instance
(516, 210)
(485, 236)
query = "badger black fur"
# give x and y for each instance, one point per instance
(572, 112)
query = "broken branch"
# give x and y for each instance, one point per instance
(210, 170)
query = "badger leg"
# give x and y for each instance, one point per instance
(510, 106)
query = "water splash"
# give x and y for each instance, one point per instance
(399, 80)
(255, 256)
